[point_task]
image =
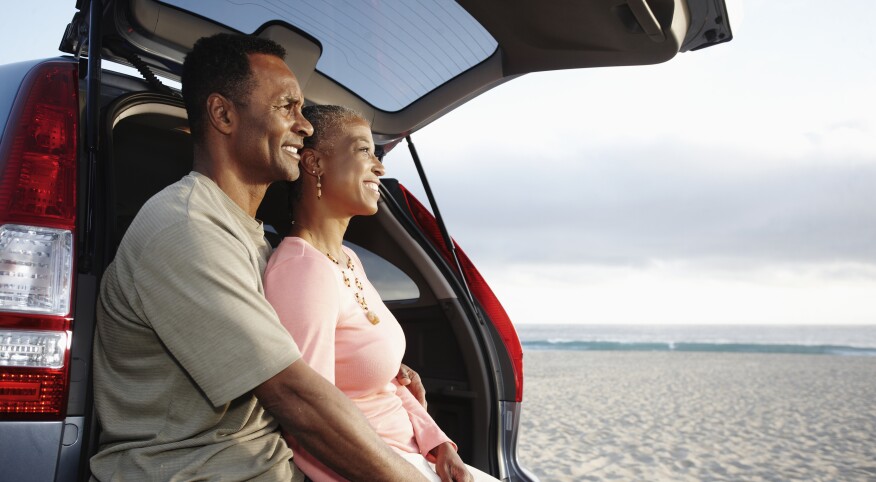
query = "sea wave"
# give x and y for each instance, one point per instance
(579, 345)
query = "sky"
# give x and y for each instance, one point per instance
(731, 185)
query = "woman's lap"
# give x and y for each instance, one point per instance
(428, 469)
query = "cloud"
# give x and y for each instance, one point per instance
(744, 153)
(681, 293)
(630, 206)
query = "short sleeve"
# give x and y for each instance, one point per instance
(304, 292)
(200, 291)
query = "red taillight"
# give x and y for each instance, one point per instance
(38, 158)
(478, 286)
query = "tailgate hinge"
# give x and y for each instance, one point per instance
(75, 40)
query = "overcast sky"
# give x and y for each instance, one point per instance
(735, 184)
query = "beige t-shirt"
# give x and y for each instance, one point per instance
(184, 334)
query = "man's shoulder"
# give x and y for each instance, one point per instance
(168, 205)
(173, 216)
(187, 202)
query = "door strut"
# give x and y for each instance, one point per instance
(92, 130)
(448, 241)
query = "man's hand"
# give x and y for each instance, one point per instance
(411, 379)
(449, 466)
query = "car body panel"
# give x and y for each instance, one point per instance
(20, 463)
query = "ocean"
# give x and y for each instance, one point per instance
(801, 339)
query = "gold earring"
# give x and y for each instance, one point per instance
(318, 187)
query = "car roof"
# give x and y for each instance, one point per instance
(404, 64)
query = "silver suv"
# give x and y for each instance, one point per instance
(82, 149)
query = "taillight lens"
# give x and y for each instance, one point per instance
(478, 286)
(38, 157)
(36, 269)
(39, 173)
(33, 349)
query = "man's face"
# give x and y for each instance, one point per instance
(271, 128)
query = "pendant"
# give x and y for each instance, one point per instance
(374, 319)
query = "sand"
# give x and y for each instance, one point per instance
(631, 416)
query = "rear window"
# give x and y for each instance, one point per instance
(391, 282)
(390, 53)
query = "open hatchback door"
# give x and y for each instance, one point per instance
(404, 63)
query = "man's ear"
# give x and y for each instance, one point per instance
(221, 113)
(310, 161)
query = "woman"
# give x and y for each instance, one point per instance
(320, 291)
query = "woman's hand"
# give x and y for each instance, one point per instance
(448, 465)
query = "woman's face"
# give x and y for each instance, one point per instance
(351, 170)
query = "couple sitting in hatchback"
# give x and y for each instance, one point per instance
(194, 369)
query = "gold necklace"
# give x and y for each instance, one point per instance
(360, 295)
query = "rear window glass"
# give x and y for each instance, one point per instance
(390, 53)
(392, 283)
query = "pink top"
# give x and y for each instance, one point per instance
(337, 340)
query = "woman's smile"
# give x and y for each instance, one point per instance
(374, 186)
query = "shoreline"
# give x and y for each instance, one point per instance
(698, 416)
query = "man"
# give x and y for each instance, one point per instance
(187, 351)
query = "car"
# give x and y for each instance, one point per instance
(84, 147)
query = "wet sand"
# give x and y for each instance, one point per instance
(633, 416)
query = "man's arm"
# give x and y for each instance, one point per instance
(327, 424)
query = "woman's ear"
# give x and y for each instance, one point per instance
(310, 161)
(220, 113)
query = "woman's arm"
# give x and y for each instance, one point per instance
(304, 294)
(428, 434)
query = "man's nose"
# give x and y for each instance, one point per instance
(302, 126)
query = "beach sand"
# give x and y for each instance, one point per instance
(632, 416)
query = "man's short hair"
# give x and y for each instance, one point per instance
(220, 64)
